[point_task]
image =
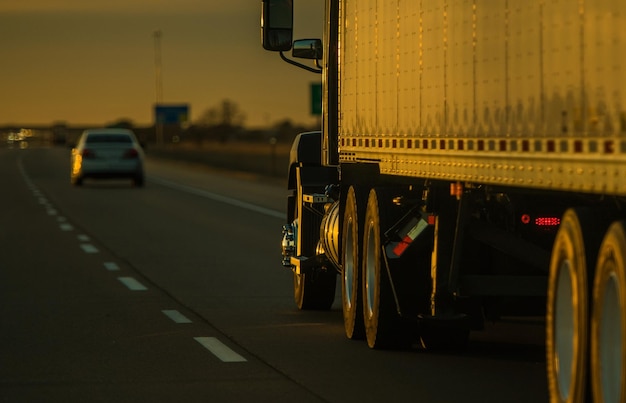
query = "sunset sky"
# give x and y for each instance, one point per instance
(93, 61)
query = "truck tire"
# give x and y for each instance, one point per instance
(351, 290)
(384, 327)
(315, 291)
(608, 319)
(569, 290)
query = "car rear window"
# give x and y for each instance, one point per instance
(108, 138)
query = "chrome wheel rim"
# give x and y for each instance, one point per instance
(349, 266)
(610, 341)
(370, 270)
(565, 338)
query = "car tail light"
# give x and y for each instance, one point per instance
(131, 154)
(87, 153)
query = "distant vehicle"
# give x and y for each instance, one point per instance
(107, 154)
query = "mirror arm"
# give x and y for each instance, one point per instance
(302, 66)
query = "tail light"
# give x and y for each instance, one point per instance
(131, 154)
(87, 153)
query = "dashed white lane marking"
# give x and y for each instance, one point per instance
(132, 284)
(66, 227)
(88, 248)
(51, 211)
(83, 238)
(111, 266)
(219, 349)
(176, 316)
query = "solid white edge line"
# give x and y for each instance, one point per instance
(219, 349)
(176, 316)
(132, 284)
(220, 198)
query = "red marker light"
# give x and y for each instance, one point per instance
(547, 221)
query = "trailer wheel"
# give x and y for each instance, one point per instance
(383, 325)
(351, 291)
(608, 320)
(569, 288)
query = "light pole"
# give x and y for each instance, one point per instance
(157, 65)
(158, 83)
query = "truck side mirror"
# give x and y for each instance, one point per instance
(308, 49)
(277, 24)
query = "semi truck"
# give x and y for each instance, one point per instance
(471, 166)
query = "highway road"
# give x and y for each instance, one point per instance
(174, 293)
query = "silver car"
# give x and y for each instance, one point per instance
(107, 153)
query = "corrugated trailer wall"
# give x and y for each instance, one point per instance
(518, 92)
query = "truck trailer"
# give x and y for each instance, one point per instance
(471, 165)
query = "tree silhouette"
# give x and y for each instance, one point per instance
(226, 115)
